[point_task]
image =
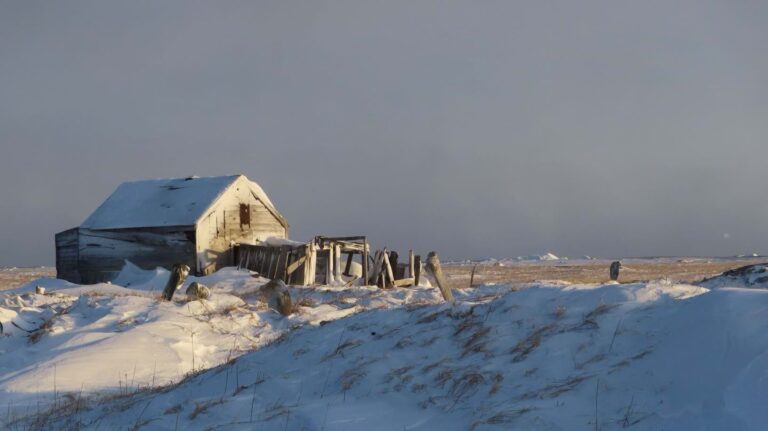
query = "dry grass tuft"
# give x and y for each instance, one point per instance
(443, 377)
(599, 311)
(477, 342)
(556, 389)
(351, 377)
(497, 379)
(597, 358)
(401, 376)
(276, 410)
(341, 348)
(432, 316)
(404, 342)
(173, 410)
(524, 348)
(465, 324)
(467, 384)
(202, 407)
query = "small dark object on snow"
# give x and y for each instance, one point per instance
(277, 296)
(615, 268)
(197, 291)
(178, 275)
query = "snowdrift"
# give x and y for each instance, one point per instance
(553, 357)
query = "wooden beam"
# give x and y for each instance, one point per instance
(329, 266)
(365, 262)
(296, 264)
(348, 267)
(336, 262)
(310, 269)
(377, 262)
(403, 282)
(393, 257)
(390, 277)
(411, 264)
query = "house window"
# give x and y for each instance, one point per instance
(245, 215)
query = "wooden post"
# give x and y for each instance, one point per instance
(416, 270)
(348, 267)
(178, 275)
(329, 266)
(310, 268)
(270, 260)
(388, 277)
(284, 269)
(404, 282)
(336, 262)
(262, 257)
(393, 258)
(411, 264)
(365, 262)
(377, 262)
(472, 277)
(433, 266)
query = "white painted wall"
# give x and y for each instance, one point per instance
(221, 226)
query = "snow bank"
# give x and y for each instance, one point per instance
(555, 357)
(105, 338)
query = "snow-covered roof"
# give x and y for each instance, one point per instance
(164, 202)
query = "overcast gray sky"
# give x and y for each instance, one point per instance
(494, 128)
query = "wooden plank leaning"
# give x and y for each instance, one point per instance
(433, 266)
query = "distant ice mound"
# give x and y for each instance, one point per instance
(750, 276)
(540, 258)
(548, 257)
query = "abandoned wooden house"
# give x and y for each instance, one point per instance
(195, 221)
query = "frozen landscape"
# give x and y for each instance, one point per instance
(548, 355)
(383, 216)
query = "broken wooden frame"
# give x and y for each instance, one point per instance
(293, 264)
(298, 264)
(322, 260)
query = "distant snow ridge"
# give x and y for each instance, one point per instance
(548, 257)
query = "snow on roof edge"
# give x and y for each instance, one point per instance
(166, 202)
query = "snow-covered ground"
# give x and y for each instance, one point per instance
(550, 356)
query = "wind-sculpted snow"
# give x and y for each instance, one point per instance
(552, 357)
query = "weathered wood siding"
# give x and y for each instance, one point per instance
(67, 255)
(236, 217)
(102, 253)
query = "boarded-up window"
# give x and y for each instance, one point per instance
(245, 215)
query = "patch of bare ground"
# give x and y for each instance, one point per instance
(11, 278)
(682, 270)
